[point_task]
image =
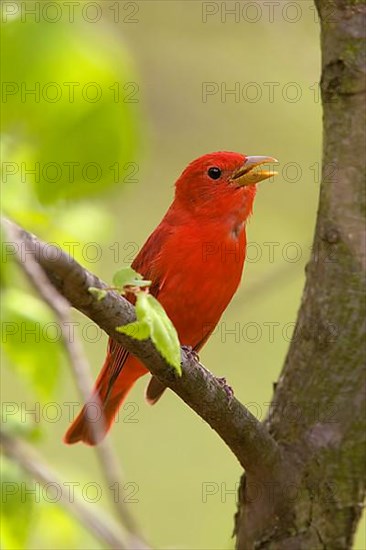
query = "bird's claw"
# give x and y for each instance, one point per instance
(192, 355)
(227, 389)
(194, 359)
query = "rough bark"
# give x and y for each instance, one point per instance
(314, 499)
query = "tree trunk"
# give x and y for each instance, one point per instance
(314, 498)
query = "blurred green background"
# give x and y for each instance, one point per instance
(125, 95)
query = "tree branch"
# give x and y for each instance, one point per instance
(80, 367)
(99, 524)
(247, 438)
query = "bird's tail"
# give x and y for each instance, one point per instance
(110, 398)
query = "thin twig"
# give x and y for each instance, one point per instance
(81, 370)
(98, 523)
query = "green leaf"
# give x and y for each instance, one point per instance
(98, 293)
(78, 130)
(162, 330)
(153, 322)
(138, 330)
(17, 511)
(129, 277)
(18, 424)
(32, 341)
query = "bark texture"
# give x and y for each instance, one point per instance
(314, 498)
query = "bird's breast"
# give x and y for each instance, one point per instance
(202, 270)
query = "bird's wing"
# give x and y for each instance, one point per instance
(147, 260)
(146, 263)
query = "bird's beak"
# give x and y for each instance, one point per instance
(250, 173)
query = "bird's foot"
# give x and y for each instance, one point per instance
(192, 355)
(227, 389)
(194, 359)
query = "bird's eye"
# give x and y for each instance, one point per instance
(214, 172)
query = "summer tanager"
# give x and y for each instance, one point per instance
(195, 259)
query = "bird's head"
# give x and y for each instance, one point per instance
(222, 183)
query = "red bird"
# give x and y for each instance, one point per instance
(195, 259)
